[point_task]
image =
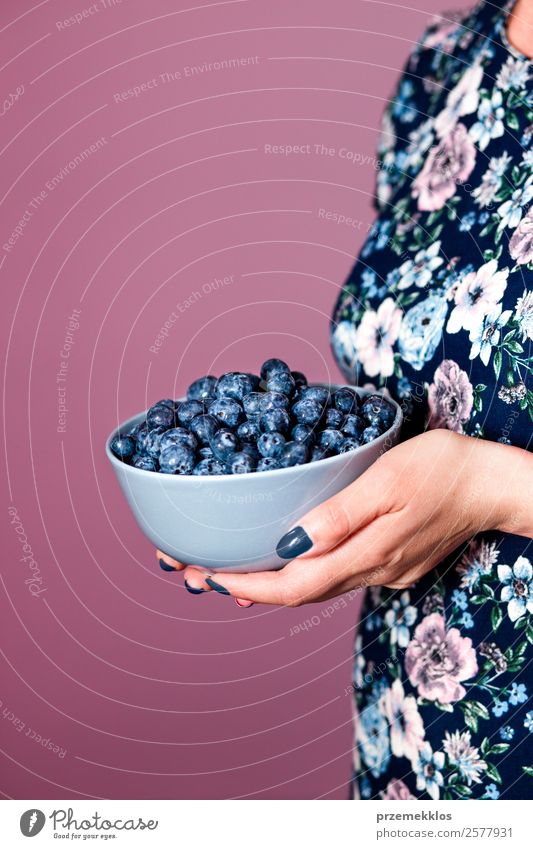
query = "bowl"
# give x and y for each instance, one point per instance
(234, 522)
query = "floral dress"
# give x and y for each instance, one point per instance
(438, 309)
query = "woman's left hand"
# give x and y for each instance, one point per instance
(416, 504)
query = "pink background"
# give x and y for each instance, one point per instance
(150, 692)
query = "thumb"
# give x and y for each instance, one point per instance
(336, 519)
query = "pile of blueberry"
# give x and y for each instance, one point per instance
(242, 423)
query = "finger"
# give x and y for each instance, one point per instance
(194, 580)
(167, 563)
(244, 602)
(296, 584)
(336, 519)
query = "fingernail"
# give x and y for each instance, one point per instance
(165, 567)
(293, 544)
(244, 604)
(193, 590)
(217, 587)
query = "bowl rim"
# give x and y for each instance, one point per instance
(223, 479)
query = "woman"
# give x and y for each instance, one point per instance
(439, 310)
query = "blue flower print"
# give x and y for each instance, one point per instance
(466, 620)
(368, 282)
(528, 720)
(372, 736)
(517, 587)
(491, 792)
(459, 599)
(489, 124)
(485, 335)
(403, 108)
(421, 331)
(428, 775)
(511, 211)
(399, 618)
(404, 387)
(518, 694)
(500, 707)
(419, 271)
(467, 222)
(507, 733)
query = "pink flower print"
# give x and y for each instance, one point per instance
(450, 397)
(447, 164)
(437, 660)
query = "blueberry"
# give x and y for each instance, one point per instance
(178, 436)
(205, 453)
(353, 425)
(123, 447)
(234, 384)
(273, 401)
(177, 460)
(223, 444)
(307, 411)
(300, 380)
(140, 438)
(252, 403)
(345, 400)
(240, 463)
(319, 394)
(166, 402)
(142, 461)
(227, 411)
(321, 453)
(281, 381)
(348, 444)
(330, 438)
(303, 433)
(370, 433)
(377, 411)
(249, 431)
(136, 429)
(293, 454)
(271, 444)
(251, 449)
(272, 366)
(187, 410)
(160, 416)
(209, 466)
(334, 418)
(148, 441)
(275, 420)
(202, 388)
(204, 428)
(254, 381)
(267, 464)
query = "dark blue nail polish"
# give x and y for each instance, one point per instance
(193, 590)
(217, 587)
(293, 544)
(165, 567)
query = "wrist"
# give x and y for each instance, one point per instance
(507, 475)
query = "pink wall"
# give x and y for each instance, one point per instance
(147, 691)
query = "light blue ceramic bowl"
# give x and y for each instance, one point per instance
(234, 522)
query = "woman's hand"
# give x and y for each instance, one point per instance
(416, 504)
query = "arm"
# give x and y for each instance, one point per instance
(412, 508)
